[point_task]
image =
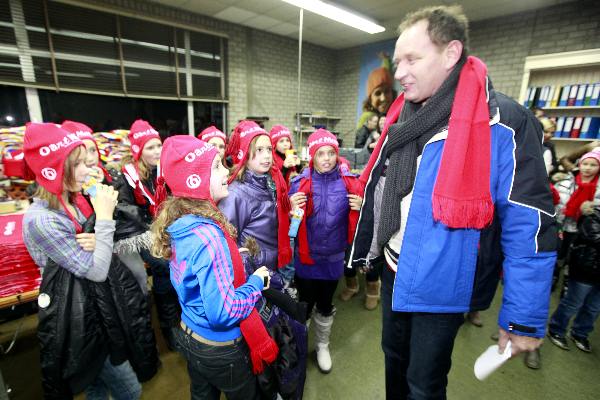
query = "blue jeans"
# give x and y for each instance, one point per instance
(288, 271)
(216, 369)
(581, 299)
(118, 381)
(417, 348)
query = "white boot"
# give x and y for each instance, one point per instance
(322, 327)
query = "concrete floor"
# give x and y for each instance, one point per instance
(358, 365)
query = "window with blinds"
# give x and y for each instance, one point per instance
(52, 45)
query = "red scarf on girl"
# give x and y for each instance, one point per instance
(585, 192)
(263, 348)
(142, 195)
(353, 186)
(461, 196)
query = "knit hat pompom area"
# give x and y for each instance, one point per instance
(46, 147)
(186, 165)
(139, 134)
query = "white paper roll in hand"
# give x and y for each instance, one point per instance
(491, 360)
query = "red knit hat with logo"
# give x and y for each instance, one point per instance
(82, 130)
(46, 148)
(212, 132)
(247, 131)
(139, 134)
(320, 138)
(279, 132)
(233, 144)
(186, 164)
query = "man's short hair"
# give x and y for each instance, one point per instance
(445, 23)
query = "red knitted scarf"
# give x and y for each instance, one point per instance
(143, 195)
(461, 195)
(284, 251)
(585, 192)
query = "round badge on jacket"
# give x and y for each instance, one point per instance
(43, 300)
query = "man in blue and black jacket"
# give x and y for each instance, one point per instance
(455, 190)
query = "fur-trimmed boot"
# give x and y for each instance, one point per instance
(322, 326)
(373, 296)
(351, 288)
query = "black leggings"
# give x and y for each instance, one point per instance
(371, 276)
(316, 291)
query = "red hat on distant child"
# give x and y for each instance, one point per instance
(139, 134)
(248, 130)
(212, 132)
(186, 165)
(46, 148)
(279, 132)
(320, 138)
(82, 130)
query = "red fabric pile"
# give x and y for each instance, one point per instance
(18, 272)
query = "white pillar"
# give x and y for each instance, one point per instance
(27, 71)
(189, 88)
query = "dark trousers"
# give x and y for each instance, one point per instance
(316, 291)
(216, 369)
(417, 348)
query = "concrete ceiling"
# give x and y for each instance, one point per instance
(282, 18)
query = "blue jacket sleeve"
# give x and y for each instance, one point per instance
(524, 207)
(225, 306)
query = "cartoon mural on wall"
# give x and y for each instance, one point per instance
(376, 89)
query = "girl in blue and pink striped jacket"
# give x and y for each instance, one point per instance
(219, 324)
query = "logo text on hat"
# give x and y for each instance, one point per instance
(323, 140)
(147, 132)
(193, 181)
(191, 156)
(283, 132)
(213, 134)
(64, 142)
(251, 130)
(49, 173)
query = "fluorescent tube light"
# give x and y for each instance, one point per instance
(338, 14)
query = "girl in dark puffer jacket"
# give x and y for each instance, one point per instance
(583, 297)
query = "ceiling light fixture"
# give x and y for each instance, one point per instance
(338, 14)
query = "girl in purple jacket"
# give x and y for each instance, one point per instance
(323, 235)
(257, 205)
